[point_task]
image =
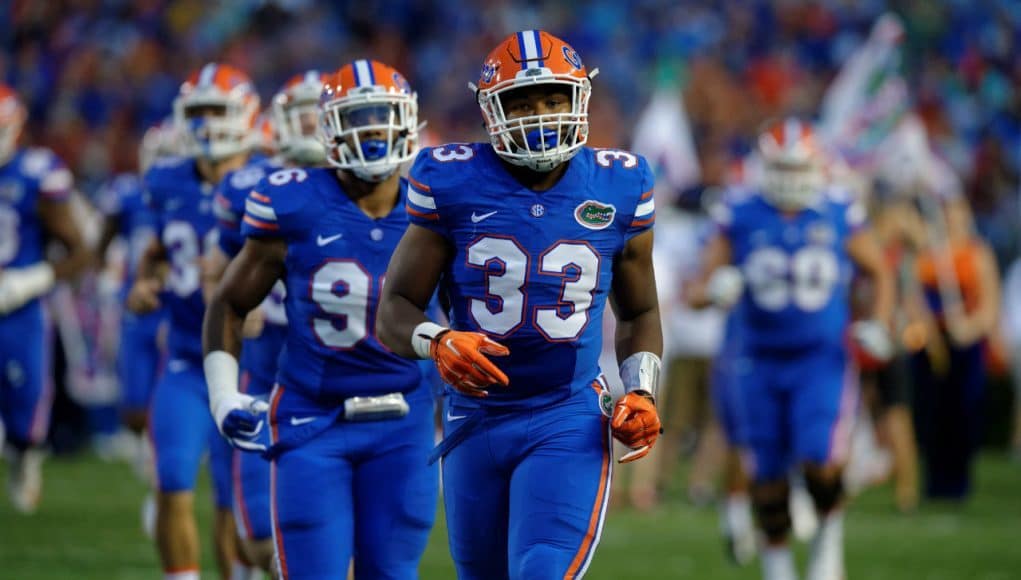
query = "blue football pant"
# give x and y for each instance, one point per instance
(139, 360)
(800, 409)
(526, 491)
(361, 490)
(182, 431)
(26, 384)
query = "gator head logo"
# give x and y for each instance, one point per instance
(594, 215)
(606, 403)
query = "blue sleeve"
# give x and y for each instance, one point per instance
(272, 208)
(229, 206)
(422, 206)
(228, 224)
(644, 215)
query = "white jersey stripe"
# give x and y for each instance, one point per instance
(420, 199)
(263, 212)
(646, 208)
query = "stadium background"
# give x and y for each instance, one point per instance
(95, 74)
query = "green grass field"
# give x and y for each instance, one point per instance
(88, 527)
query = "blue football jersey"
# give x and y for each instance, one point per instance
(29, 176)
(532, 270)
(122, 199)
(231, 196)
(183, 205)
(796, 268)
(229, 208)
(336, 260)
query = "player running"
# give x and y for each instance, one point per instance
(350, 422)
(215, 112)
(784, 256)
(530, 234)
(35, 188)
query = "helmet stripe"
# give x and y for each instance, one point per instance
(312, 76)
(538, 47)
(528, 43)
(792, 134)
(207, 75)
(363, 73)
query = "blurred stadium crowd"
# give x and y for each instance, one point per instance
(95, 74)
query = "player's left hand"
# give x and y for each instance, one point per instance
(240, 418)
(873, 339)
(636, 424)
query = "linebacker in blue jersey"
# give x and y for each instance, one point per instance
(784, 257)
(295, 121)
(350, 422)
(215, 112)
(528, 236)
(34, 189)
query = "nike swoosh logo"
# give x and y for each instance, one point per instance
(321, 241)
(455, 417)
(296, 421)
(477, 218)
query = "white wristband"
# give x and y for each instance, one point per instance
(422, 337)
(221, 369)
(35, 280)
(640, 372)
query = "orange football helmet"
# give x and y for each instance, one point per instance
(215, 110)
(12, 120)
(530, 58)
(792, 164)
(295, 114)
(368, 116)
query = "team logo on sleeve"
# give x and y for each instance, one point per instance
(594, 215)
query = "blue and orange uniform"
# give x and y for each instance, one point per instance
(180, 425)
(341, 486)
(26, 386)
(530, 463)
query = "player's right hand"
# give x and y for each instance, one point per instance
(240, 417)
(725, 286)
(144, 296)
(461, 360)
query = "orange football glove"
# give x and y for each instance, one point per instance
(460, 358)
(636, 424)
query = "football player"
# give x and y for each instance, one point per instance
(35, 187)
(784, 257)
(294, 114)
(530, 233)
(121, 201)
(350, 421)
(215, 112)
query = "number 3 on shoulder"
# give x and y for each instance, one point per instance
(453, 152)
(608, 157)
